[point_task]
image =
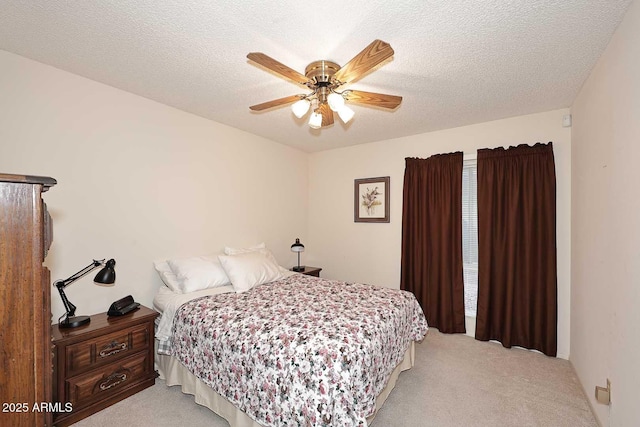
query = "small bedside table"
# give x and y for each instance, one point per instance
(310, 271)
(102, 363)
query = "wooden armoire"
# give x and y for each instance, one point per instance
(25, 302)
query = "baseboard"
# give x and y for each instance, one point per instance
(586, 396)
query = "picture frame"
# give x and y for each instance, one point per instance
(371, 199)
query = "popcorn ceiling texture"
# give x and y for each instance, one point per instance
(456, 62)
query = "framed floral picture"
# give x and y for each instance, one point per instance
(371, 200)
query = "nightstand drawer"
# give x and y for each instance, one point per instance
(109, 380)
(105, 349)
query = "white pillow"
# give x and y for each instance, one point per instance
(198, 273)
(250, 269)
(167, 275)
(235, 251)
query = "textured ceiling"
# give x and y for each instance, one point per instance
(456, 62)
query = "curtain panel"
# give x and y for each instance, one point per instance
(517, 272)
(431, 265)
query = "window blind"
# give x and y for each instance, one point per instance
(470, 235)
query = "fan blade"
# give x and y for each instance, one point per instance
(371, 56)
(275, 103)
(375, 99)
(327, 115)
(278, 68)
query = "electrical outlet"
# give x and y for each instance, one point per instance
(603, 395)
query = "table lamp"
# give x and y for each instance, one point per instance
(298, 247)
(106, 276)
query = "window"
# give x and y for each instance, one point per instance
(470, 236)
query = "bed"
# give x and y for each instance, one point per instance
(298, 350)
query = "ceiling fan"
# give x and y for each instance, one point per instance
(323, 78)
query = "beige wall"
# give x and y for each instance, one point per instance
(370, 253)
(605, 297)
(139, 181)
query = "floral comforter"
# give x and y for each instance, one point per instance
(300, 351)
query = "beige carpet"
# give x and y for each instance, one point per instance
(457, 381)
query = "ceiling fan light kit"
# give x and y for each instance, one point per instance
(323, 78)
(315, 120)
(301, 107)
(345, 113)
(335, 100)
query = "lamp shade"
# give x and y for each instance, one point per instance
(315, 120)
(346, 113)
(297, 246)
(300, 108)
(335, 100)
(107, 275)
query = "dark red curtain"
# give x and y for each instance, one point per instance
(431, 264)
(517, 278)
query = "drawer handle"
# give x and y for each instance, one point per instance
(113, 380)
(113, 348)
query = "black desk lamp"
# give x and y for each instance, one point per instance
(106, 276)
(298, 247)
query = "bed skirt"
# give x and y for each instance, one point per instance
(174, 373)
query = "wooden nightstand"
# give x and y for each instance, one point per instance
(310, 271)
(102, 363)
